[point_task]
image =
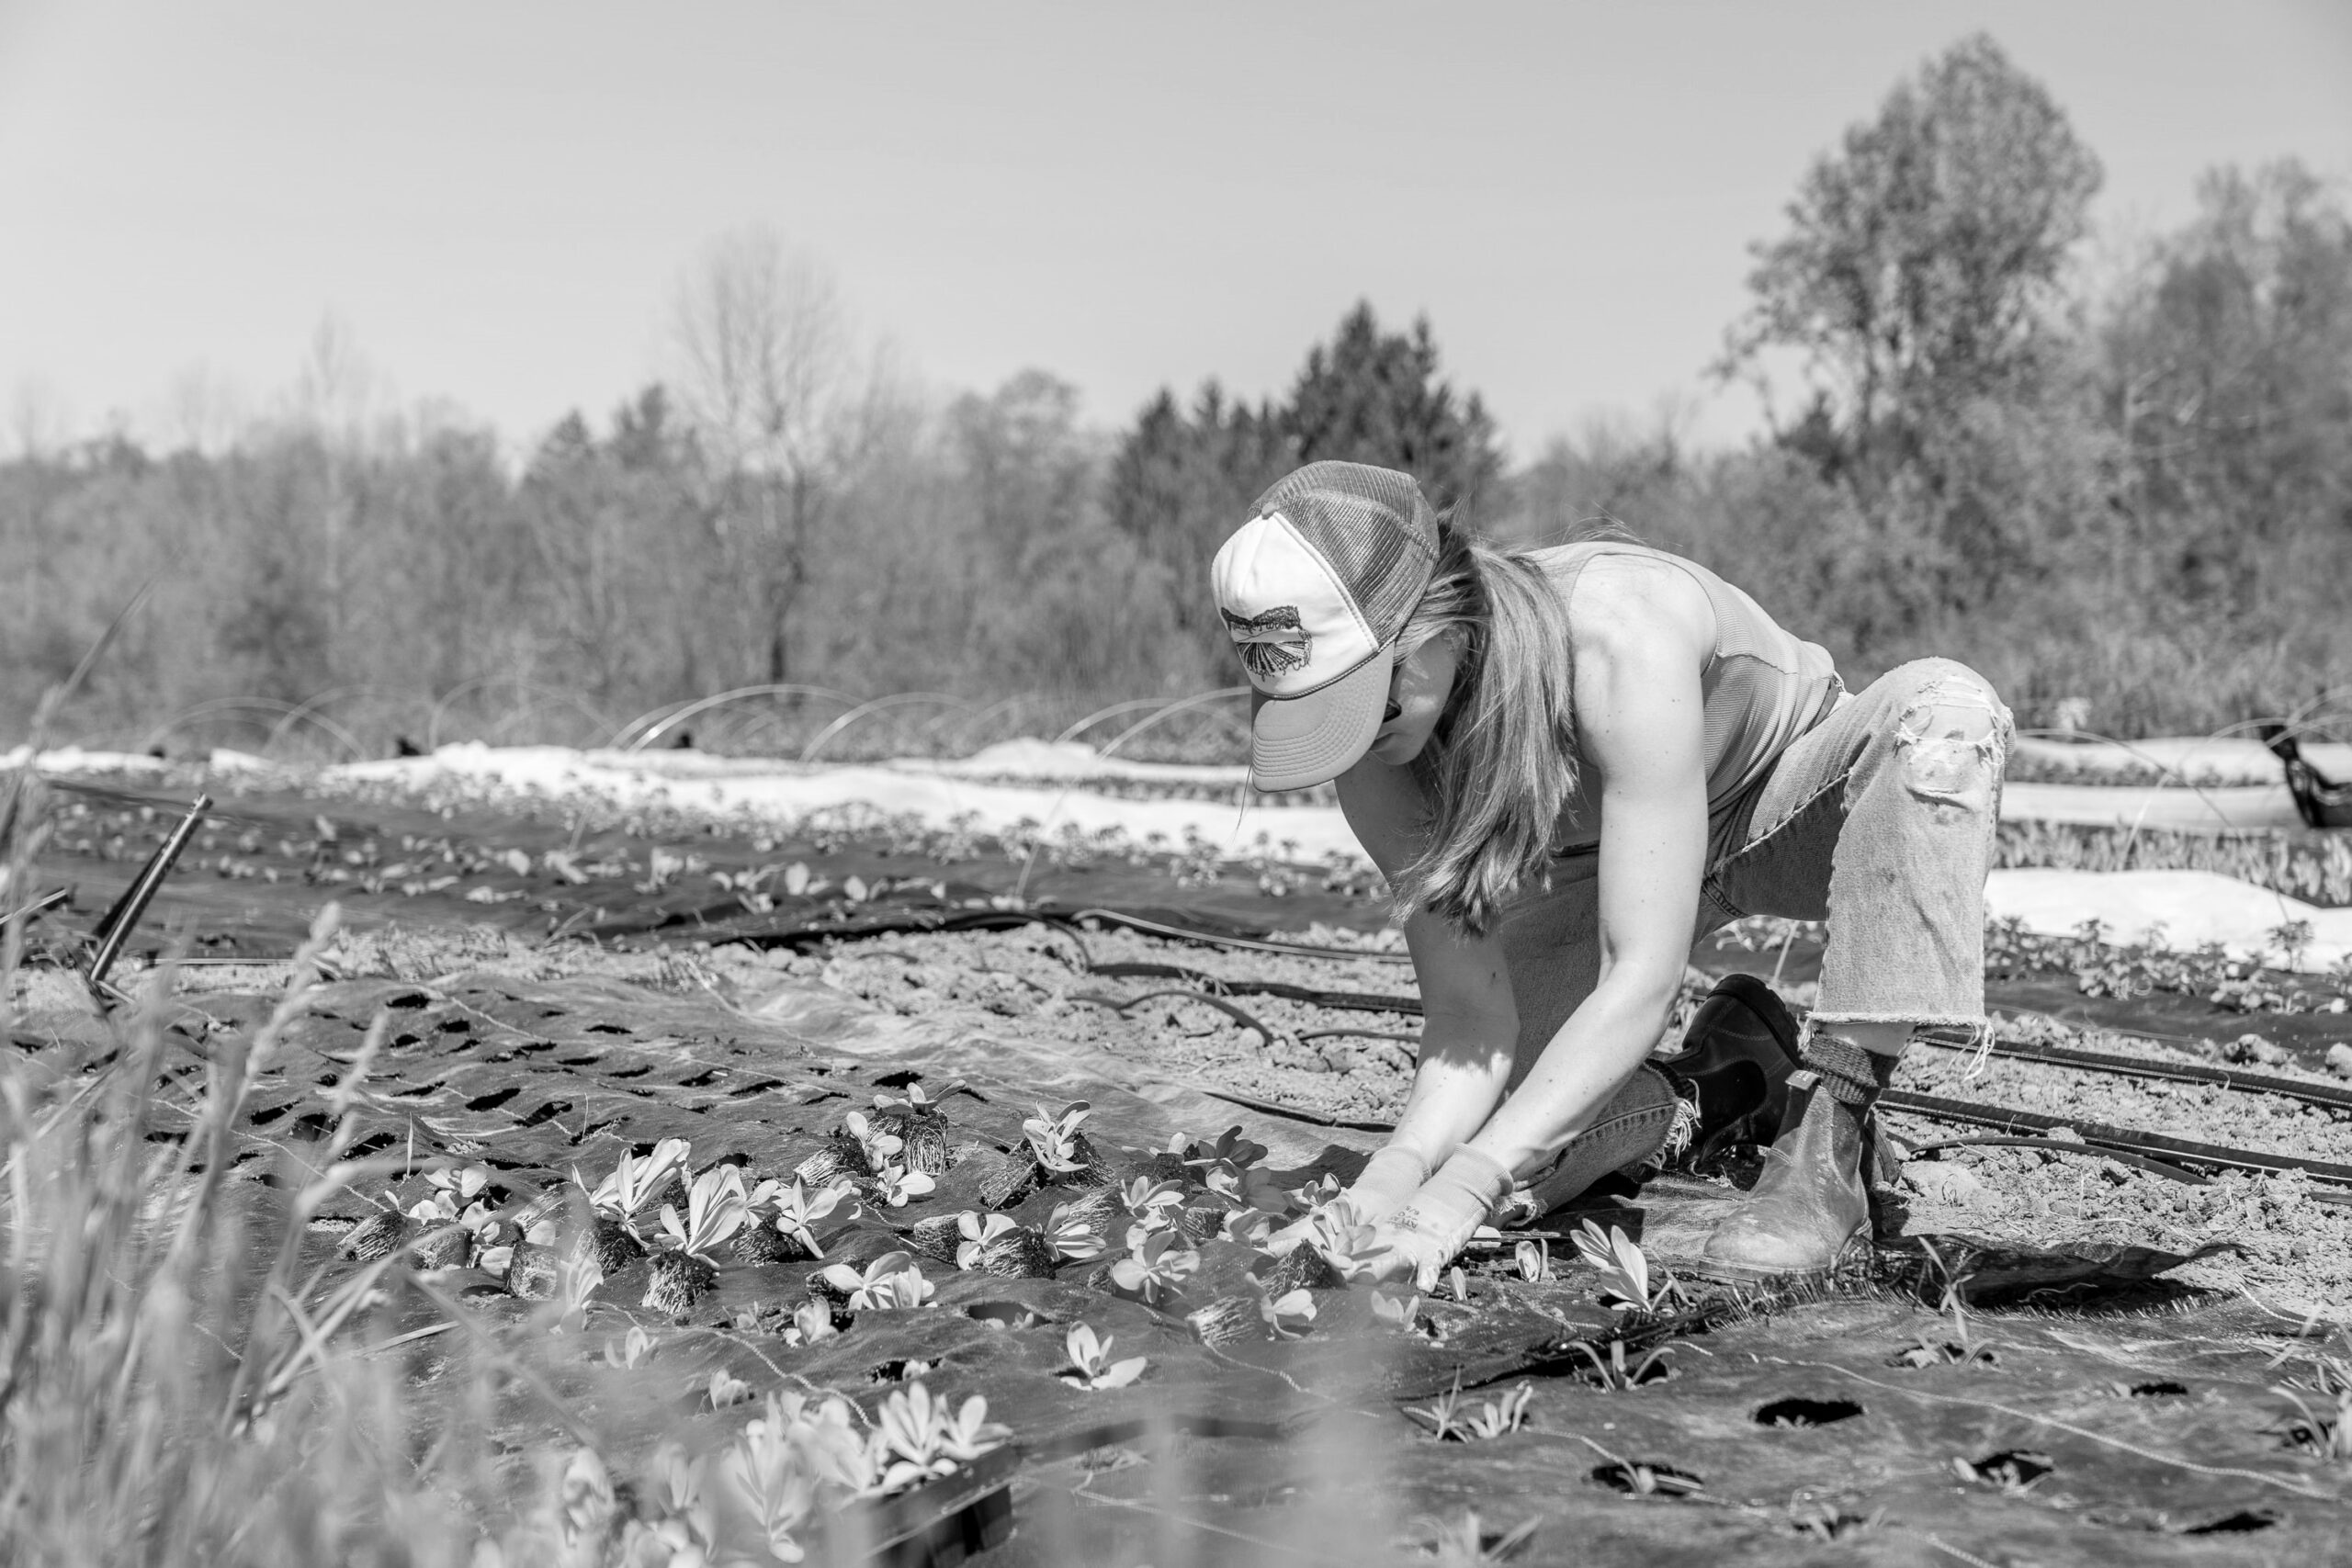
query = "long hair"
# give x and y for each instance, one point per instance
(1503, 756)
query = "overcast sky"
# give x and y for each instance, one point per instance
(497, 199)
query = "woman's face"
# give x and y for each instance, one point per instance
(1418, 690)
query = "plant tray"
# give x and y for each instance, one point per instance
(941, 1524)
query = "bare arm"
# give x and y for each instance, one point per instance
(1469, 1025)
(1641, 649)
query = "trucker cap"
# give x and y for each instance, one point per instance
(1314, 589)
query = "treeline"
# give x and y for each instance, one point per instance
(2130, 505)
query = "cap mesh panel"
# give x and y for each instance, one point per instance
(1372, 525)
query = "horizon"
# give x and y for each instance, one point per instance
(496, 209)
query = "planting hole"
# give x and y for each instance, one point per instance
(1829, 1524)
(2246, 1521)
(495, 1098)
(407, 1002)
(904, 1078)
(1003, 1315)
(1638, 1479)
(2166, 1389)
(2011, 1467)
(898, 1369)
(1806, 1412)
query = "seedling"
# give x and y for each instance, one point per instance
(1638, 1478)
(633, 1182)
(811, 1321)
(1613, 1373)
(1449, 1422)
(1286, 1316)
(1248, 1227)
(2324, 1430)
(918, 1438)
(1534, 1260)
(631, 1352)
(452, 1192)
(771, 1470)
(1926, 1352)
(1055, 1140)
(1624, 1272)
(684, 1524)
(1315, 1194)
(716, 1209)
(891, 1282)
(1349, 1246)
(1071, 1237)
(2013, 1470)
(1466, 1543)
(1152, 1204)
(1155, 1267)
(1399, 1311)
(979, 1231)
(1822, 1522)
(894, 1185)
(726, 1390)
(1091, 1359)
(1227, 1169)
(880, 1148)
(794, 1210)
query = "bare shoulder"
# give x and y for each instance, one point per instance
(1637, 605)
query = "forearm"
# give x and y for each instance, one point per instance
(1580, 1069)
(1455, 1088)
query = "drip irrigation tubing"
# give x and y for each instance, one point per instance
(1249, 944)
(2153, 1067)
(2155, 1145)
(2163, 1167)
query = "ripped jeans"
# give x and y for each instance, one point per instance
(1880, 820)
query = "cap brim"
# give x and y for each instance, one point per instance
(1298, 741)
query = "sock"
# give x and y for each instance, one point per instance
(1847, 1074)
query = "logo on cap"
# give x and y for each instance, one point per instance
(1271, 644)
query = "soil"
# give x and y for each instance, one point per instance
(2098, 1383)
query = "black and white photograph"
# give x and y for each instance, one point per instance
(1048, 785)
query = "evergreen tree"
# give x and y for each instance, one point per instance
(1375, 397)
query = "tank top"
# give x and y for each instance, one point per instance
(1762, 687)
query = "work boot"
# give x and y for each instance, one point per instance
(1734, 1067)
(1812, 1204)
(1731, 1077)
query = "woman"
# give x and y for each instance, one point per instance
(1571, 763)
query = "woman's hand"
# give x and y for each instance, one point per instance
(1438, 1222)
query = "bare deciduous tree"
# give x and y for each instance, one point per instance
(780, 395)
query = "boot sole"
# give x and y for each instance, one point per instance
(1857, 1249)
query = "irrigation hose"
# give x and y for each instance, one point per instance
(2153, 1067)
(2155, 1145)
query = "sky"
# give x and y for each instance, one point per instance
(495, 202)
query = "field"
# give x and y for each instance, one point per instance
(298, 1269)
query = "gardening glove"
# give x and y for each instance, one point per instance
(1389, 1177)
(1434, 1225)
